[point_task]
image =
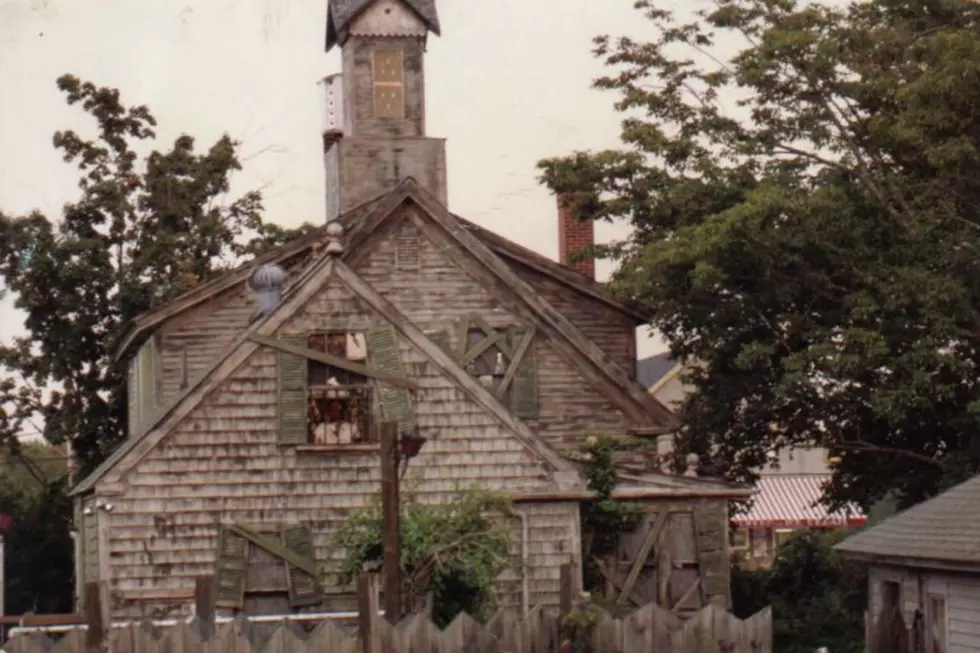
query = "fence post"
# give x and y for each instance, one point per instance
(95, 633)
(204, 604)
(565, 589)
(367, 612)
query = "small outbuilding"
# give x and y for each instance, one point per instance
(924, 576)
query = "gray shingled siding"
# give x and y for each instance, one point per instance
(917, 588)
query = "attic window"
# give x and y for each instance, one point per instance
(503, 361)
(339, 400)
(389, 84)
(490, 366)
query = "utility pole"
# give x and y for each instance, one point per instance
(390, 539)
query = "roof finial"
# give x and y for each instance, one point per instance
(335, 231)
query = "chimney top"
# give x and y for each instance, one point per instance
(574, 237)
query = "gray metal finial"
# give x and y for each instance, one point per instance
(335, 231)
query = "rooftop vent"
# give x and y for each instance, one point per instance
(267, 281)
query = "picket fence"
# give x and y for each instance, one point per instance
(650, 629)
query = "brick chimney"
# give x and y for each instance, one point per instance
(574, 237)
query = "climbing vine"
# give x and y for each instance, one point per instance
(604, 519)
(454, 551)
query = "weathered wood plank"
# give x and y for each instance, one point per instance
(648, 543)
(336, 361)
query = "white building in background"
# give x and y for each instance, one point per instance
(790, 487)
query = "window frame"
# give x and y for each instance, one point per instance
(381, 82)
(319, 389)
(931, 623)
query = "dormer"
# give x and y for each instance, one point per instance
(383, 72)
(143, 384)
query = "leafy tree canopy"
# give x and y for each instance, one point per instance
(143, 230)
(806, 223)
(38, 546)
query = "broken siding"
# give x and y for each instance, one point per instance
(441, 291)
(224, 464)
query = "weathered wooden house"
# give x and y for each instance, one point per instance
(924, 567)
(255, 399)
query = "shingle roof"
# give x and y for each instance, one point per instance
(944, 529)
(651, 369)
(792, 500)
(340, 14)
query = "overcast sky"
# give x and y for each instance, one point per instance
(508, 83)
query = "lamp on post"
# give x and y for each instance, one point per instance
(6, 521)
(395, 447)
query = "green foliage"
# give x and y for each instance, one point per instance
(578, 628)
(455, 550)
(141, 232)
(604, 519)
(817, 597)
(804, 219)
(38, 546)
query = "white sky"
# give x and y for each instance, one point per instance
(508, 83)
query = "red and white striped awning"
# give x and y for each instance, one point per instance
(790, 500)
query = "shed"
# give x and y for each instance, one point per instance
(924, 567)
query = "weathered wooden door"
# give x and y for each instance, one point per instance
(677, 558)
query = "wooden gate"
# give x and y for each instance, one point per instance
(677, 558)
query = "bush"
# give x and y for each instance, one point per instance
(454, 550)
(817, 597)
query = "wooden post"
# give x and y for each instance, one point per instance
(391, 563)
(95, 634)
(565, 589)
(367, 612)
(204, 603)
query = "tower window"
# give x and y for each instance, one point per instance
(389, 84)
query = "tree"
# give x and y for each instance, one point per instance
(817, 597)
(142, 231)
(805, 223)
(38, 546)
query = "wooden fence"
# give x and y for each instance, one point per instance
(583, 629)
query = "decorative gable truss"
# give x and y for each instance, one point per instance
(503, 361)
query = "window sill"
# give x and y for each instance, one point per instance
(338, 448)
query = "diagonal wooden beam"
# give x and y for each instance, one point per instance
(515, 362)
(462, 337)
(277, 549)
(481, 347)
(652, 535)
(336, 361)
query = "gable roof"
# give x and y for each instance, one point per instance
(301, 246)
(943, 532)
(315, 278)
(651, 369)
(341, 13)
(566, 339)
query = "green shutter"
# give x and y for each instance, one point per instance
(395, 403)
(304, 590)
(441, 338)
(231, 564)
(293, 394)
(524, 388)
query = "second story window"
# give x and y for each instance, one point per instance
(339, 407)
(389, 84)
